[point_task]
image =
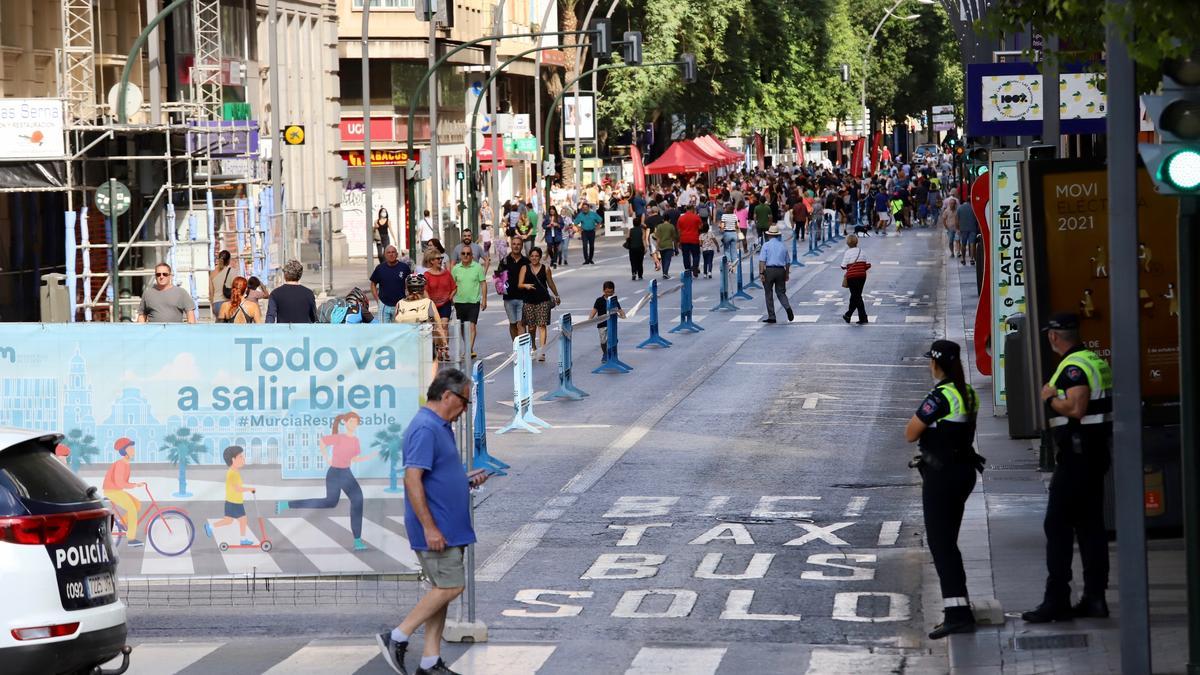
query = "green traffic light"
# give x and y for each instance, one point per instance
(1182, 169)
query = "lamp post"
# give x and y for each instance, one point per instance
(867, 61)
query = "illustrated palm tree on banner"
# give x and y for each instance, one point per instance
(82, 449)
(183, 448)
(389, 441)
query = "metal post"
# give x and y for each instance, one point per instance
(435, 209)
(1050, 118)
(155, 81)
(276, 129)
(1189, 413)
(494, 105)
(368, 194)
(1130, 513)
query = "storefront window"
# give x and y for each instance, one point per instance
(406, 75)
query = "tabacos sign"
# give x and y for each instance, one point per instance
(354, 158)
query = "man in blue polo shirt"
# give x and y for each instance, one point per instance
(774, 269)
(388, 283)
(587, 220)
(437, 516)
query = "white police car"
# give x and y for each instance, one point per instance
(59, 611)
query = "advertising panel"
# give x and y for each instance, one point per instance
(579, 117)
(308, 416)
(1005, 99)
(32, 128)
(1070, 208)
(1007, 260)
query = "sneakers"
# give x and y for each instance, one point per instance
(360, 546)
(208, 530)
(769, 320)
(1090, 608)
(281, 506)
(846, 317)
(393, 652)
(1047, 612)
(439, 668)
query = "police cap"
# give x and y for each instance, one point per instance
(943, 351)
(1062, 321)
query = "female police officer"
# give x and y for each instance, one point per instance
(944, 427)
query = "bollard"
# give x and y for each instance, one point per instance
(741, 290)
(685, 308)
(612, 363)
(523, 417)
(566, 387)
(480, 458)
(813, 229)
(656, 340)
(828, 229)
(795, 250)
(753, 280)
(838, 230)
(725, 305)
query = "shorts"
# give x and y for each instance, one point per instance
(951, 234)
(444, 568)
(467, 311)
(444, 310)
(514, 309)
(235, 510)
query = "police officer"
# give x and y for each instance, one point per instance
(1079, 413)
(944, 428)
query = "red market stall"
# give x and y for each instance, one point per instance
(681, 157)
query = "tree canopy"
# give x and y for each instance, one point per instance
(767, 64)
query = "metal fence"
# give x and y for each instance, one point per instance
(251, 590)
(308, 237)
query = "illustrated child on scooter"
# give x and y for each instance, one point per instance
(235, 506)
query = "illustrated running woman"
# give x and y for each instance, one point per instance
(344, 450)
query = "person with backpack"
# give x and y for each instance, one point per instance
(416, 307)
(220, 282)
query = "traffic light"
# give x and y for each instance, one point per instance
(689, 68)
(1174, 162)
(631, 48)
(977, 160)
(602, 39)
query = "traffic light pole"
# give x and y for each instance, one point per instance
(415, 99)
(558, 99)
(473, 200)
(1189, 412)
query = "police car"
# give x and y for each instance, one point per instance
(60, 611)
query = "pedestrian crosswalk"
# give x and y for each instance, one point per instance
(296, 545)
(337, 656)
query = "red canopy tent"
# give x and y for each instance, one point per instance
(681, 157)
(715, 158)
(736, 155)
(712, 147)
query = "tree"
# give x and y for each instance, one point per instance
(389, 441)
(183, 449)
(82, 449)
(1162, 29)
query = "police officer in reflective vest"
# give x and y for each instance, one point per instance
(1079, 413)
(944, 428)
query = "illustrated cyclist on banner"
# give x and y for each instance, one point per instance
(116, 482)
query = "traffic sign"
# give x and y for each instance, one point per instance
(113, 198)
(293, 134)
(943, 110)
(943, 117)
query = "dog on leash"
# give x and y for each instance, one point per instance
(862, 230)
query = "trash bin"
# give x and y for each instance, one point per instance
(55, 305)
(1019, 391)
(1163, 484)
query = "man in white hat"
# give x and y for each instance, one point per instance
(774, 269)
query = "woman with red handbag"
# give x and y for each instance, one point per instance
(856, 266)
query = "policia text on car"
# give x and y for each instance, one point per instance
(1079, 412)
(944, 428)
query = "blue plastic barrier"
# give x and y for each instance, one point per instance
(523, 417)
(796, 250)
(838, 229)
(741, 290)
(656, 340)
(685, 308)
(480, 459)
(814, 230)
(725, 305)
(754, 259)
(566, 387)
(612, 363)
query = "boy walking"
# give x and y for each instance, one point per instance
(600, 308)
(235, 495)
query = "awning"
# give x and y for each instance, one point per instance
(681, 157)
(485, 154)
(714, 148)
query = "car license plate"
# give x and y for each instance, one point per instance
(100, 585)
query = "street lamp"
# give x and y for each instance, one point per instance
(867, 61)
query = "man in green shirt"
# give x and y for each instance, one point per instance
(762, 218)
(668, 238)
(471, 296)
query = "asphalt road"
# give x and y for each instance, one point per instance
(739, 502)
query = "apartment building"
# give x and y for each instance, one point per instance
(193, 156)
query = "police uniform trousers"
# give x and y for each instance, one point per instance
(1076, 511)
(944, 493)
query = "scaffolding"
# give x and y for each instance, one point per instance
(197, 179)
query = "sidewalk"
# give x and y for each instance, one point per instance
(1003, 548)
